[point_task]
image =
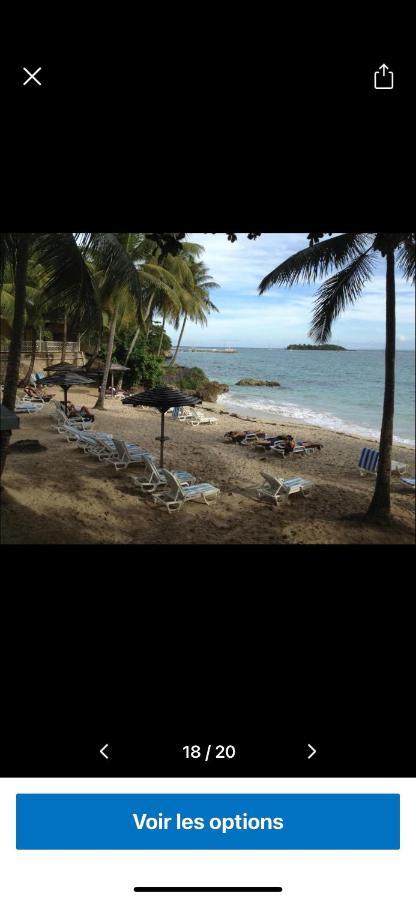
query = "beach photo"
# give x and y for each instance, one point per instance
(207, 388)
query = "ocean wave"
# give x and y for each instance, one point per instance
(303, 414)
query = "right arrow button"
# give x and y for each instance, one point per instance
(313, 751)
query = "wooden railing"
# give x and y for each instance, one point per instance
(50, 346)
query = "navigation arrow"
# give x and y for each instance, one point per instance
(102, 751)
(313, 751)
(384, 69)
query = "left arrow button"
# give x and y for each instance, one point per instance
(103, 753)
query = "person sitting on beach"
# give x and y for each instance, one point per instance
(83, 411)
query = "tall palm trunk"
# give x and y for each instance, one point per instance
(101, 397)
(143, 326)
(161, 334)
(25, 381)
(129, 352)
(380, 505)
(64, 342)
(179, 341)
(15, 350)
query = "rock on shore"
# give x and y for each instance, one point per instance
(253, 382)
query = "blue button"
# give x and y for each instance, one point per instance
(208, 821)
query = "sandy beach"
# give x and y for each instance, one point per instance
(63, 496)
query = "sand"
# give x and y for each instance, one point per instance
(63, 496)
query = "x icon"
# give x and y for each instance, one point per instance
(32, 75)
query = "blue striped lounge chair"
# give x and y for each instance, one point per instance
(176, 494)
(368, 463)
(125, 454)
(154, 478)
(275, 488)
(409, 482)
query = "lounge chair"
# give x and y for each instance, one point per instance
(409, 482)
(62, 421)
(197, 418)
(154, 478)
(27, 406)
(279, 449)
(92, 443)
(176, 495)
(126, 454)
(275, 488)
(368, 463)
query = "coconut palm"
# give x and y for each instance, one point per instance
(196, 302)
(38, 310)
(67, 282)
(120, 293)
(353, 256)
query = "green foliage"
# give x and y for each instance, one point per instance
(184, 378)
(153, 339)
(145, 367)
(314, 347)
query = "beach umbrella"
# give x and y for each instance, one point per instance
(161, 398)
(67, 379)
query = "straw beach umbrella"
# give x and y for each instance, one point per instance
(161, 398)
(67, 379)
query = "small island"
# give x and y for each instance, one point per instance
(315, 347)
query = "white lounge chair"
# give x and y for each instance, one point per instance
(154, 478)
(275, 488)
(125, 454)
(26, 406)
(181, 413)
(176, 494)
(368, 463)
(409, 482)
(196, 417)
(61, 421)
(90, 442)
(278, 449)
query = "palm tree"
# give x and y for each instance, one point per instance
(127, 289)
(353, 256)
(196, 303)
(38, 310)
(67, 282)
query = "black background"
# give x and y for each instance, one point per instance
(198, 123)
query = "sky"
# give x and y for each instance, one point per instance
(282, 316)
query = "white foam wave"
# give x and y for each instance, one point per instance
(303, 414)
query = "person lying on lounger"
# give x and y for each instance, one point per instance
(237, 436)
(83, 411)
(37, 394)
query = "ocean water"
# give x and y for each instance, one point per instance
(342, 391)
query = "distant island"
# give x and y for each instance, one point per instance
(315, 347)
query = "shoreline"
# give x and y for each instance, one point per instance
(300, 423)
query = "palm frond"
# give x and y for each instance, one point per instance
(338, 292)
(406, 258)
(315, 261)
(68, 281)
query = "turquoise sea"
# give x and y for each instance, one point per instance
(342, 391)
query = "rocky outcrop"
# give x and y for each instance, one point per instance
(211, 390)
(253, 382)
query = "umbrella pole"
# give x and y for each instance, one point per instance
(162, 440)
(66, 399)
(112, 382)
